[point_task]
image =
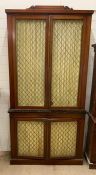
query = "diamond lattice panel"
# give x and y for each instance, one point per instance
(63, 139)
(66, 62)
(30, 138)
(30, 50)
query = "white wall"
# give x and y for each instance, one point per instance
(4, 78)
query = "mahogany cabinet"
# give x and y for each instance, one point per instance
(91, 138)
(48, 58)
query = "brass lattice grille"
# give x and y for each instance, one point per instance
(63, 139)
(30, 138)
(30, 51)
(66, 61)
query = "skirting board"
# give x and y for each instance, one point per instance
(4, 153)
(91, 164)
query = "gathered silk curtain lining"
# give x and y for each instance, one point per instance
(30, 55)
(30, 49)
(31, 139)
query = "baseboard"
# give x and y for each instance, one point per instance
(4, 153)
(92, 165)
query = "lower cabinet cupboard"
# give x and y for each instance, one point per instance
(46, 138)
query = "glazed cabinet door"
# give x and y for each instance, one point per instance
(67, 55)
(28, 137)
(66, 136)
(29, 61)
(63, 139)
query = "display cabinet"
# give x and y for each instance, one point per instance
(91, 138)
(48, 58)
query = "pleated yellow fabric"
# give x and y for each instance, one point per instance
(30, 137)
(63, 139)
(66, 52)
(30, 54)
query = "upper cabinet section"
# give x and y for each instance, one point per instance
(48, 57)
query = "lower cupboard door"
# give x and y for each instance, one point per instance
(63, 139)
(30, 138)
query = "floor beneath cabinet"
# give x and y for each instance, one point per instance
(7, 169)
